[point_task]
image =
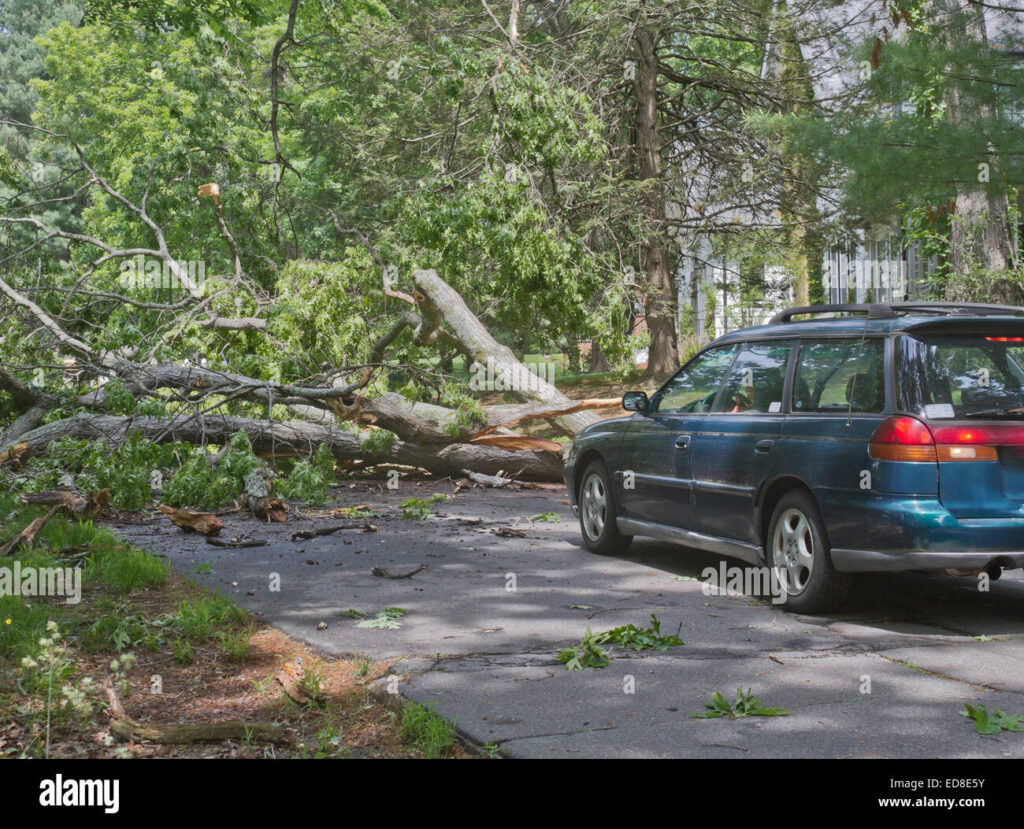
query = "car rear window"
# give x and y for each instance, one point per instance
(840, 375)
(961, 376)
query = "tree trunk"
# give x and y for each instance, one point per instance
(660, 309)
(439, 302)
(981, 235)
(290, 438)
(598, 362)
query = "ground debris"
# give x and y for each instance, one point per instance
(125, 728)
(74, 504)
(301, 535)
(27, 535)
(201, 522)
(236, 543)
(291, 677)
(507, 532)
(384, 573)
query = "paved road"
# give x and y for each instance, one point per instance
(481, 646)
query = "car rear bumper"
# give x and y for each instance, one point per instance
(884, 533)
(873, 561)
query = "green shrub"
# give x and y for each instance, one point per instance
(309, 479)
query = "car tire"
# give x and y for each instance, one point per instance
(797, 551)
(598, 514)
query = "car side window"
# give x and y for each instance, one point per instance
(839, 375)
(693, 388)
(756, 380)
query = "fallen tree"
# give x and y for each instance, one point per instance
(439, 439)
(431, 437)
(292, 438)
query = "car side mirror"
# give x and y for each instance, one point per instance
(635, 401)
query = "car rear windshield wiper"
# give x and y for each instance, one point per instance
(1009, 414)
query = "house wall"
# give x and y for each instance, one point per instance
(883, 270)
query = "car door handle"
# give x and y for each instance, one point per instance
(764, 446)
(683, 442)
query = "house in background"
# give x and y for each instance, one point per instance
(870, 264)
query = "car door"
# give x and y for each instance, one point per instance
(736, 448)
(838, 403)
(655, 483)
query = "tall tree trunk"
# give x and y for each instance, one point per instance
(660, 294)
(981, 235)
(800, 214)
(598, 362)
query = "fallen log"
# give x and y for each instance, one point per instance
(496, 481)
(428, 423)
(125, 728)
(71, 502)
(258, 488)
(288, 438)
(12, 451)
(75, 505)
(518, 442)
(508, 416)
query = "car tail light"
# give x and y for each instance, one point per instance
(908, 439)
(966, 453)
(1005, 339)
(903, 439)
(1002, 434)
(982, 441)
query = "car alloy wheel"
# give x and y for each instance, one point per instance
(594, 506)
(793, 551)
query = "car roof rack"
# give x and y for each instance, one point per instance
(878, 310)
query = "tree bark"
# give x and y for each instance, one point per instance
(290, 438)
(981, 235)
(439, 302)
(660, 308)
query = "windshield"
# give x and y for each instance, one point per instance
(962, 376)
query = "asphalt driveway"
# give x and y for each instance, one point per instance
(886, 677)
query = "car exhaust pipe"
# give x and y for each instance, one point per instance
(993, 570)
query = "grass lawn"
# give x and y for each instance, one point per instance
(173, 653)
